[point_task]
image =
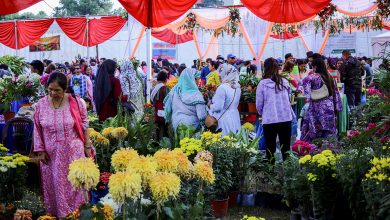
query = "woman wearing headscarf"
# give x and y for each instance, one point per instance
(185, 104)
(107, 90)
(225, 102)
(132, 87)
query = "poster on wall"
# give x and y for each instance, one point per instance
(46, 44)
(339, 42)
(164, 50)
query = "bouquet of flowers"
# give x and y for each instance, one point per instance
(208, 91)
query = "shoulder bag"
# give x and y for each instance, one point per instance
(211, 121)
(321, 93)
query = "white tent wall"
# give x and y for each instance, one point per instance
(380, 45)
(122, 44)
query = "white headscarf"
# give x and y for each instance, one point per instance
(229, 74)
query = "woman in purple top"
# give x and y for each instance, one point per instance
(273, 105)
(320, 118)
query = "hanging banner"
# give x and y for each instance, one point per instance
(339, 42)
(46, 44)
(164, 50)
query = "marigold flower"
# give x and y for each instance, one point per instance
(190, 146)
(166, 160)
(204, 171)
(83, 174)
(119, 133)
(248, 126)
(165, 186)
(23, 214)
(125, 185)
(107, 131)
(145, 166)
(46, 217)
(120, 159)
(108, 211)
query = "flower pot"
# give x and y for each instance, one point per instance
(250, 118)
(247, 199)
(233, 198)
(239, 108)
(26, 104)
(8, 115)
(252, 107)
(220, 207)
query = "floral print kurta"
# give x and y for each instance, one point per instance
(320, 118)
(54, 133)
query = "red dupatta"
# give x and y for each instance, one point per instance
(76, 115)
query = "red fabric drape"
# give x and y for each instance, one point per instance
(286, 35)
(99, 30)
(168, 36)
(7, 34)
(104, 28)
(28, 32)
(285, 11)
(162, 12)
(13, 6)
(74, 28)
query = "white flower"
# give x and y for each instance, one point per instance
(107, 200)
(22, 79)
(3, 169)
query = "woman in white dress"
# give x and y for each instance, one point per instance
(225, 102)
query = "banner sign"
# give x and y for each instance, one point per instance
(46, 44)
(339, 42)
(164, 50)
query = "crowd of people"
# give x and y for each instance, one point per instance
(70, 90)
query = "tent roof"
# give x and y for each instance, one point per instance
(384, 35)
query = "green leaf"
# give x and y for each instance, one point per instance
(168, 212)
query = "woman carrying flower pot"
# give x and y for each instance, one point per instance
(273, 105)
(60, 137)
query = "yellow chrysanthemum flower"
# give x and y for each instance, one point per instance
(166, 160)
(107, 131)
(251, 218)
(145, 166)
(83, 174)
(304, 159)
(185, 165)
(119, 133)
(190, 146)
(249, 126)
(165, 186)
(123, 185)
(204, 171)
(109, 213)
(311, 177)
(120, 159)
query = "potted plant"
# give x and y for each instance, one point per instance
(222, 166)
(248, 94)
(9, 92)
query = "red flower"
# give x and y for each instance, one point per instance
(353, 133)
(302, 147)
(105, 177)
(370, 126)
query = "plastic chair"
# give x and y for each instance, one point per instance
(17, 135)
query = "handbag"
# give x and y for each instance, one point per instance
(318, 94)
(211, 121)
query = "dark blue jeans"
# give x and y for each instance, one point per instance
(353, 96)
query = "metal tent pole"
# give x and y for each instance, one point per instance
(149, 59)
(16, 38)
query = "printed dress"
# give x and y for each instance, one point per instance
(320, 118)
(54, 133)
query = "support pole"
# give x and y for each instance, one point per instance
(177, 47)
(87, 30)
(283, 44)
(148, 60)
(16, 38)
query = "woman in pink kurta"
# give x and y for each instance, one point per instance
(58, 139)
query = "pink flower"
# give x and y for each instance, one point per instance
(384, 139)
(370, 126)
(353, 133)
(302, 147)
